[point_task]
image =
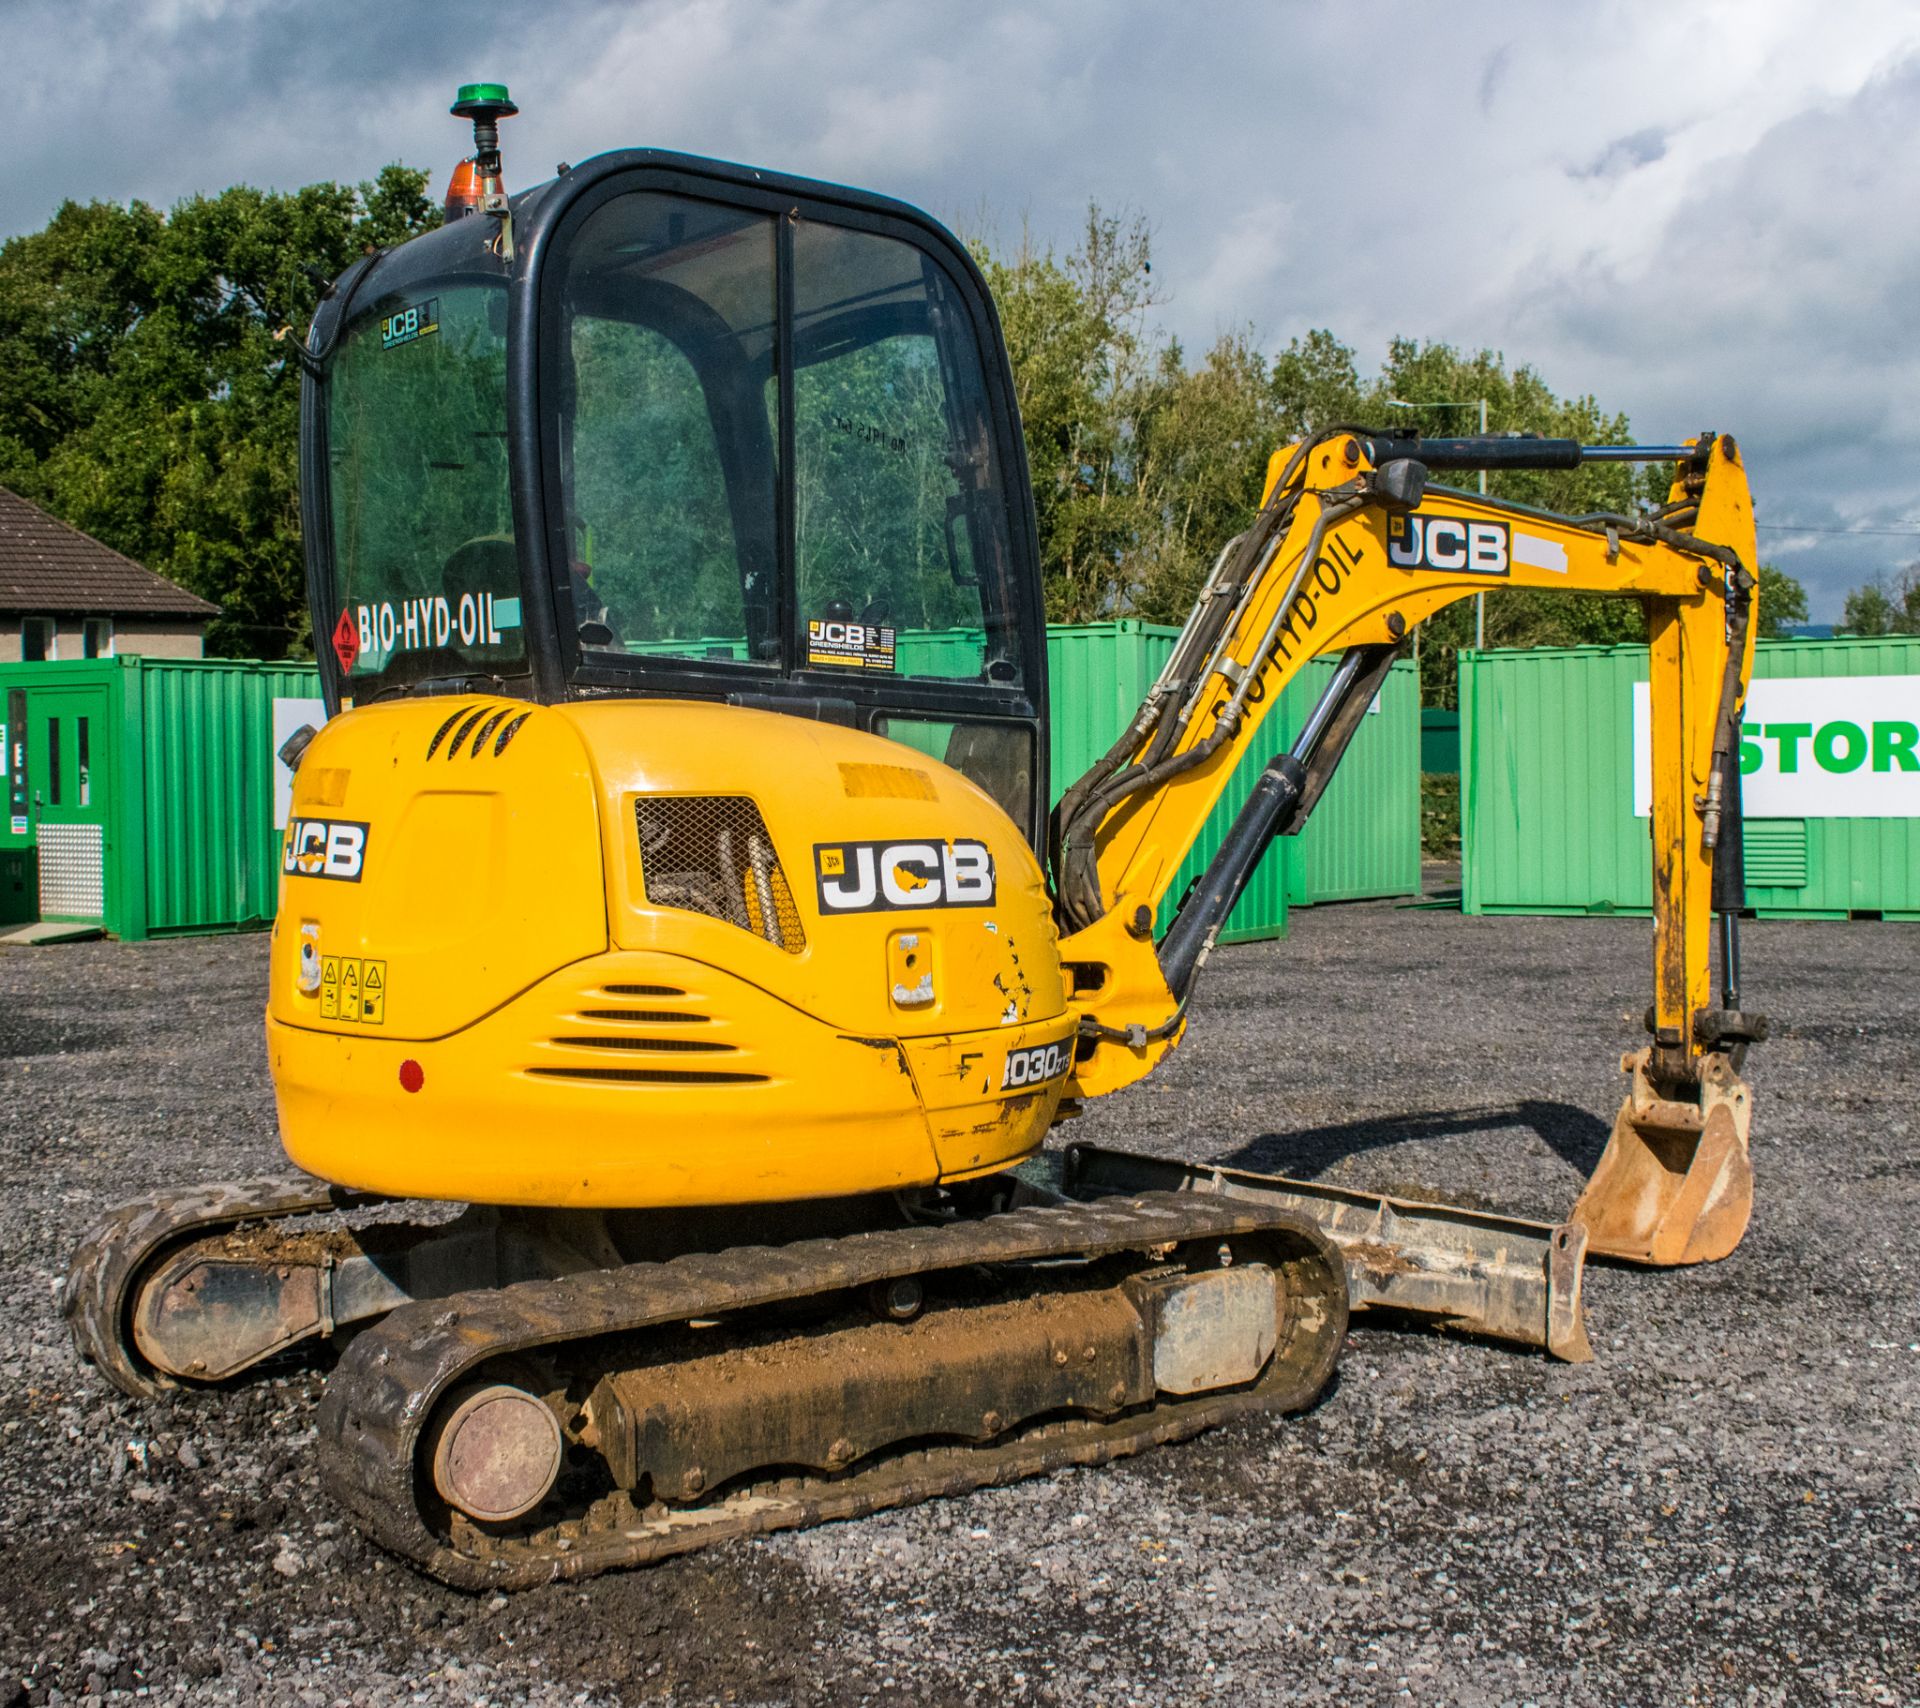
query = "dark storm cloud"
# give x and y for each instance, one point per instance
(163, 100)
(1699, 238)
(1776, 301)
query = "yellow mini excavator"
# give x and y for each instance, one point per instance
(669, 891)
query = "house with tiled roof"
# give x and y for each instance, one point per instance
(65, 595)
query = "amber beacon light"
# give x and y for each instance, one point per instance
(476, 186)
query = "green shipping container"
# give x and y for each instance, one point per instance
(149, 800)
(145, 790)
(1362, 840)
(1548, 799)
(1439, 742)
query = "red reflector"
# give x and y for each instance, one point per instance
(411, 1077)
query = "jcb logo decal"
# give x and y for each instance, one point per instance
(869, 877)
(408, 324)
(325, 848)
(1040, 1065)
(1449, 543)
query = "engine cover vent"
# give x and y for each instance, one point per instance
(711, 854)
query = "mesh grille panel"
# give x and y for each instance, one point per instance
(711, 854)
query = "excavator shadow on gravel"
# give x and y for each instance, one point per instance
(672, 885)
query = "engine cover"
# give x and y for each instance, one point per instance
(646, 952)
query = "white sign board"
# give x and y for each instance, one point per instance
(1815, 747)
(288, 716)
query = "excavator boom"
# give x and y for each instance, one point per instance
(1351, 551)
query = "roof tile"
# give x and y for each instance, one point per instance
(46, 566)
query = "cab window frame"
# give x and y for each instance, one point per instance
(591, 673)
(732, 408)
(587, 671)
(974, 532)
(450, 255)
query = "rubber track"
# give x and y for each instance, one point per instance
(112, 1259)
(389, 1382)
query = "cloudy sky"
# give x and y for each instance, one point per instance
(1707, 214)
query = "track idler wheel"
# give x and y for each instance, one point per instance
(498, 1454)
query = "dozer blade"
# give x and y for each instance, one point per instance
(1460, 1269)
(1674, 1184)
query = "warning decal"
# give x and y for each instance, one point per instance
(353, 989)
(373, 993)
(346, 640)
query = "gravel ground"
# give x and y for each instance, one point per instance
(1725, 1507)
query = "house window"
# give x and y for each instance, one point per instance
(36, 639)
(97, 638)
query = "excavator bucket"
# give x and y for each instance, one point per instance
(1674, 1184)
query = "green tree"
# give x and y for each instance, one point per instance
(1437, 389)
(1145, 466)
(1086, 372)
(1887, 605)
(1782, 601)
(147, 394)
(1203, 449)
(1315, 384)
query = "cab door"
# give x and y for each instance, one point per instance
(68, 765)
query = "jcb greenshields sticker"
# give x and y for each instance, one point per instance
(859, 646)
(404, 325)
(1815, 747)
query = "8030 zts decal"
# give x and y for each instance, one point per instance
(870, 877)
(1040, 1065)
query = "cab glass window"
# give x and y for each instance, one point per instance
(425, 568)
(996, 757)
(900, 547)
(667, 456)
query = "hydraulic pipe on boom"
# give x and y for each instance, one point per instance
(1350, 552)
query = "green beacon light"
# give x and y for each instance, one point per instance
(476, 185)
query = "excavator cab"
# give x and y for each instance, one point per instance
(665, 427)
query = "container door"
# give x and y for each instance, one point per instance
(68, 770)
